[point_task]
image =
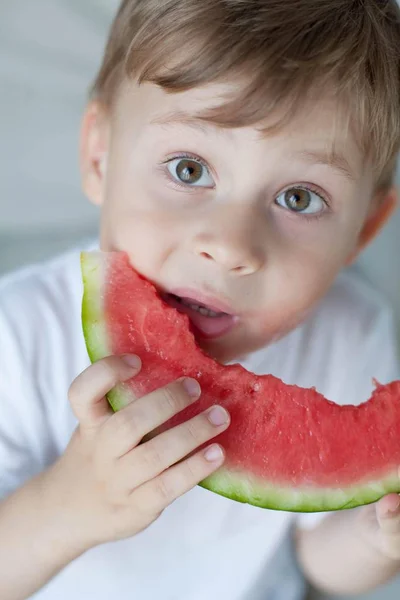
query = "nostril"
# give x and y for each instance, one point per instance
(240, 270)
(206, 255)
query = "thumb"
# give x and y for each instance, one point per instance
(87, 393)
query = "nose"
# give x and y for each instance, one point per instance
(236, 253)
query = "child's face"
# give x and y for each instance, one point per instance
(254, 226)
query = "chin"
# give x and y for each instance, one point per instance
(240, 343)
(229, 348)
(215, 349)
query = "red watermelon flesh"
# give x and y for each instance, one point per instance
(287, 448)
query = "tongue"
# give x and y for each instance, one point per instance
(209, 327)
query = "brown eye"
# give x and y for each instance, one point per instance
(301, 200)
(298, 199)
(190, 172)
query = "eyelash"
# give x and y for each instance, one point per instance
(310, 187)
(189, 156)
(306, 186)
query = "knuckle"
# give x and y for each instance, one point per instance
(113, 486)
(195, 431)
(76, 398)
(109, 366)
(172, 398)
(191, 469)
(147, 505)
(101, 452)
(125, 427)
(152, 457)
(164, 492)
(75, 391)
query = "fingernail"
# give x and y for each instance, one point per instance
(218, 416)
(214, 453)
(132, 361)
(192, 387)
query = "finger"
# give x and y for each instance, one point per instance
(159, 493)
(388, 514)
(126, 429)
(152, 458)
(87, 393)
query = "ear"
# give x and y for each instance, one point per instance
(93, 151)
(382, 208)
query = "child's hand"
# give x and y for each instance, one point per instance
(381, 526)
(115, 486)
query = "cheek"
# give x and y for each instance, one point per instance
(148, 234)
(296, 283)
(130, 222)
(323, 242)
(146, 237)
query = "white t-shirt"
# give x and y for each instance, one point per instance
(203, 546)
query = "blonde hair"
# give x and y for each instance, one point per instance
(284, 50)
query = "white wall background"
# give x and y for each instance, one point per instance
(49, 51)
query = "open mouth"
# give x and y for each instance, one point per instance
(207, 321)
(201, 308)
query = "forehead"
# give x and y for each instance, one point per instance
(320, 125)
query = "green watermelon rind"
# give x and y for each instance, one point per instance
(94, 324)
(248, 490)
(242, 487)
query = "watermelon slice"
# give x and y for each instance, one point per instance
(287, 448)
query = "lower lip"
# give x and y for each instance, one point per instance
(205, 327)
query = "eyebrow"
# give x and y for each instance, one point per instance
(333, 159)
(182, 118)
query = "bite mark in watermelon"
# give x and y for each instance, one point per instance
(287, 448)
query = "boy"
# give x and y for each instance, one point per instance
(243, 153)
